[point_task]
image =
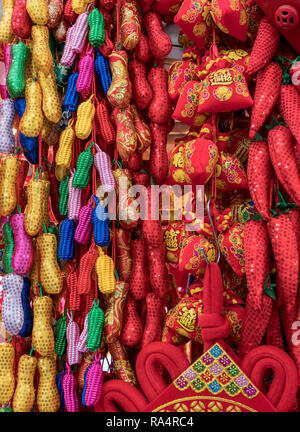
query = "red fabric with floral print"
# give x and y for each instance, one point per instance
(194, 19)
(231, 17)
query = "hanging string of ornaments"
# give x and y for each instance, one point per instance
(176, 313)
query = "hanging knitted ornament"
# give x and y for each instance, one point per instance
(102, 163)
(60, 389)
(86, 72)
(105, 273)
(86, 267)
(63, 196)
(104, 126)
(103, 71)
(66, 243)
(84, 227)
(82, 343)
(69, 384)
(74, 199)
(84, 163)
(93, 381)
(9, 245)
(72, 333)
(60, 339)
(71, 99)
(96, 23)
(100, 224)
(95, 326)
(26, 330)
(72, 291)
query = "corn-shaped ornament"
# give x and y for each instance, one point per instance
(93, 382)
(100, 223)
(68, 56)
(60, 336)
(63, 196)
(103, 71)
(72, 96)
(102, 163)
(84, 227)
(66, 243)
(73, 333)
(82, 343)
(63, 156)
(95, 327)
(81, 30)
(105, 273)
(96, 24)
(74, 199)
(85, 116)
(84, 164)
(86, 72)
(69, 384)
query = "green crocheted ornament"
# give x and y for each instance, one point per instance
(9, 246)
(16, 77)
(97, 33)
(95, 324)
(61, 340)
(63, 196)
(84, 164)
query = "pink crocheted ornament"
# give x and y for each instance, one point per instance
(72, 333)
(94, 381)
(74, 199)
(69, 383)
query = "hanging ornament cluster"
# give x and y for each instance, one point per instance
(112, 299)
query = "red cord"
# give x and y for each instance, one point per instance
(118, 22)
(40, 149)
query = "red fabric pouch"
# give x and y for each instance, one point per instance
(186, 108)
(231, 17)
(180, 73)
(232, 247)
(192, 162)
(230, 173)
(194, 19)
(224, 90)
(191, 258)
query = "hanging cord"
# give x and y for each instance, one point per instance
(118, 24)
